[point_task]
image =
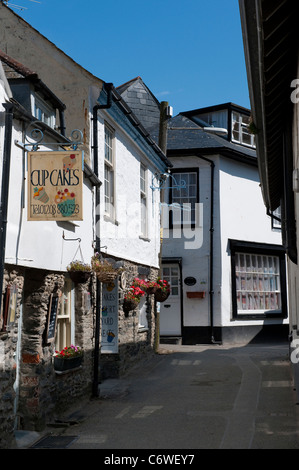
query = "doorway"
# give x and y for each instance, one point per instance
(170, 310)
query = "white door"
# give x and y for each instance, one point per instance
(170, 310)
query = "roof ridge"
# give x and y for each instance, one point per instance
(129, 81)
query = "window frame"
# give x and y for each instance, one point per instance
(109, 169)
(241, 126)
(39, 103)
(171, 197)
(276, 219)
(264, 249)
(143, 202)
(66, 316)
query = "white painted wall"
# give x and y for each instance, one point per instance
(244, 218)
(239, 213)
(41, 244)
(196, 261)
(122, 236)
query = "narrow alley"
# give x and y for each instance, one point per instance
(190, 397)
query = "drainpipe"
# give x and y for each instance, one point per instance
(211, 290)
(62, 122)
(108, 87)
(5, 188)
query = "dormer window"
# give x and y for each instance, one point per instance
(240, 130)
(43, 111)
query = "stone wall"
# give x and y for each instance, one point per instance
(134, 343)
(8, 352)
(43, 393)
(32, 394)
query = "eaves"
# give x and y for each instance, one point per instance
(269, 35)
(225, 152)
(124, 116)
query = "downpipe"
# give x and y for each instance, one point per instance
(5, 188)
(211, 290)
(108, 88)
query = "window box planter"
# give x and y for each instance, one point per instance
(62, 364)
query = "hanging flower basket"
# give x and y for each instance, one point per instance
(79, 277)
(79, 272)
(149, 287)
(129, 305)
(106, 277)
(161, 296)
(163, 290)
(151, 290)
(132, 297)
(104, 270)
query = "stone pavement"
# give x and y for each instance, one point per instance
(188, 397)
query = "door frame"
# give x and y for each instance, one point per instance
(178, 261)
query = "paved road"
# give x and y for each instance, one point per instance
(195, 397)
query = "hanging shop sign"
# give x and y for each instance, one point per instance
(55, 185)
(109, 334)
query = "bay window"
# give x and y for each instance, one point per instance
(258, 280)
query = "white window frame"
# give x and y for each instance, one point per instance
(109, 170)
(143, 201)
(258, 285)
(184, 199)
(42, 111)
(239, 125)
(276, 219)
(65, 328)
(171, 274)
(142, 314)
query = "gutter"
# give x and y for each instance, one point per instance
(5, 188)
(108, 87)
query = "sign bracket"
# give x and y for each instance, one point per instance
(36, 138)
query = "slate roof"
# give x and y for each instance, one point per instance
(15, 70)
(184, 135)
(143, 103)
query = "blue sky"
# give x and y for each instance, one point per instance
(188, 52)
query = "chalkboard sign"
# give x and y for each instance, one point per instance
(52, 318)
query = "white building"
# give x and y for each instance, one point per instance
(227, 268)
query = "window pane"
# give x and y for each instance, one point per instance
(257, 283)
(184, 194)
(108, 145)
